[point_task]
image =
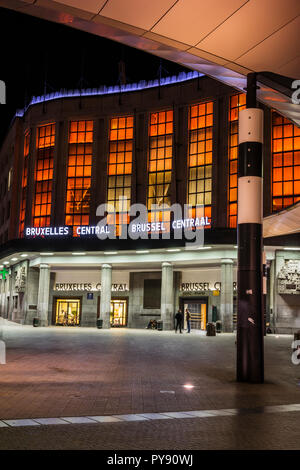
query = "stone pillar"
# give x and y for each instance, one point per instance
(226, 301)
(271, 294)
(2, 296)
(43, 294)
(105, 295)
(167, 296)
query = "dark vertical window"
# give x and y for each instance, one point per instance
(24, 183)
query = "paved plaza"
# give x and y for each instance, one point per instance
(127, 389)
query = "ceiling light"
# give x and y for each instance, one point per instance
(24, 255)
(46, 254)
(173, 249)
(6, 262)
(204, 248)
(291, 249)
(79, 254)
(14, 259)
(142, 251)
(110, 252)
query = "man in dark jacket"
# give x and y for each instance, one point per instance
(188, 320)
(179, 321)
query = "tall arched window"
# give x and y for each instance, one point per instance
(119, 169)
(24, 183)
(79, 174)
(45, 141)
(200, 159)
(160, 166)
(237, 103)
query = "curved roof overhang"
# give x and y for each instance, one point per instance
(224, 40)
(286, 222)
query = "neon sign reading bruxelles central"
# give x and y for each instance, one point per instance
(96, 230)
(178, 226)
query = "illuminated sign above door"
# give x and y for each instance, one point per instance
(108, 231)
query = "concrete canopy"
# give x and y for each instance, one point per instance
(284, 222)
(222, 39)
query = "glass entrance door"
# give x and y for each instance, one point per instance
(118, 312)
(67, 312)
(198, 311)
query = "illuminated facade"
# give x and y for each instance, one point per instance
(64, 158)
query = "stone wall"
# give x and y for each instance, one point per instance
(138, 317)
(287, 292)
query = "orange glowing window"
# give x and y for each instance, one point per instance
(24, 183)
(79, 172)
(200, 159)
(285, 163)
(119, 169)
(160, 166)
(45, 141)
(45, 136)
(237, 103)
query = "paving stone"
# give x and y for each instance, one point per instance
(105, 419)
(50, 421)
(132, 417)
(155, 416)
(176, 414)
(200, 413)
(78, 420)
(21, 422)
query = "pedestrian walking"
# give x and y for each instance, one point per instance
(188, 320)
(179, 321)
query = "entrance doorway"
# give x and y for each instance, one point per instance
(67, 312)
(198, 310)
(118, 312)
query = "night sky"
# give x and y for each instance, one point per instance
(34, 51)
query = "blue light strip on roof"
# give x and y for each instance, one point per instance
(104, 90)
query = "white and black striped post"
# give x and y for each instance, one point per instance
(250, 332)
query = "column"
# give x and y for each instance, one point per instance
(250, 346)
(2, 298)
(167, 297)
(43, 294)
(272, 294)
(226, 300)
(105, 295)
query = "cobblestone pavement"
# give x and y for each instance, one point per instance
(61, 372)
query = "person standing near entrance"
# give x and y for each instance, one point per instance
(188, 320)
(179, 321)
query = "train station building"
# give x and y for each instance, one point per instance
(173, 142)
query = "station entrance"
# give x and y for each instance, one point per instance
(118, 312)
(197, 307)
(67, 312)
